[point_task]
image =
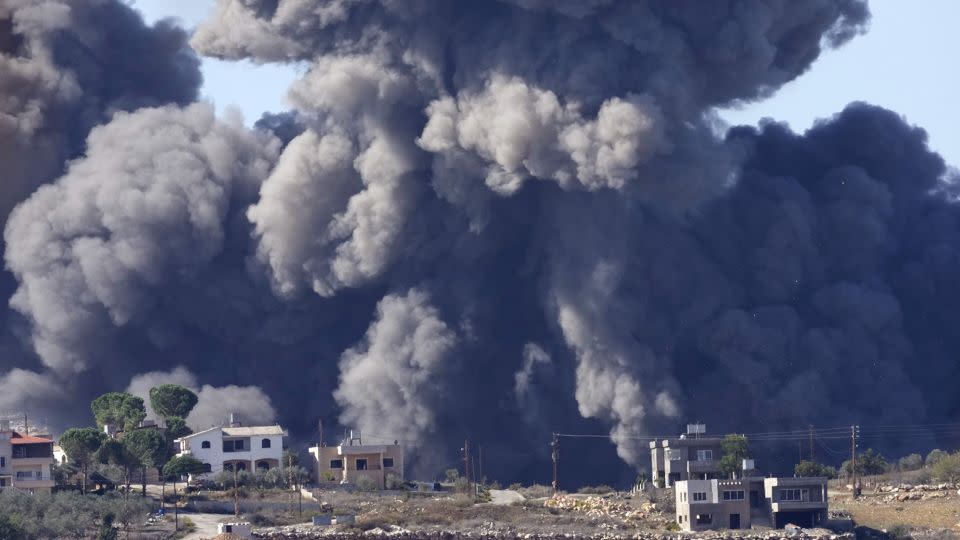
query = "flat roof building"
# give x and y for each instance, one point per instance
(753, 501)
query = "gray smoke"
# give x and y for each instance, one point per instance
(66, 67)
(390, 383)
(248, 404)
(484, 211)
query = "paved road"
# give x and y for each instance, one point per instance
(206, 525)
(505, 497)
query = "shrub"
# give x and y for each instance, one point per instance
(366, 484)
(515, 486)
(947, 469)
(596, 490)
(393, 482)
(11, 529)
(328, 476)
(911, 462)
(807, 469)
(673, 526)
(935, 456)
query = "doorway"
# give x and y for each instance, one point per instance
(734, 521)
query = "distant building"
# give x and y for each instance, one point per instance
(351, 461)
(753, 501)
(25, 461)
(688, 457)
(241, 448)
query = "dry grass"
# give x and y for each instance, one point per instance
(872, 511)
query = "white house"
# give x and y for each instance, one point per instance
(241, 448)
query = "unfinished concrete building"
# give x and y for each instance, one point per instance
(691, 456)
(752, 501)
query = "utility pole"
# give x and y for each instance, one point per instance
(853, 459)
(26, 426)
(812, 460)
(480, 463)
(555, 455)
(466, 459)
(320, 443)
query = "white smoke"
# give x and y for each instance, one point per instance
(390, 382)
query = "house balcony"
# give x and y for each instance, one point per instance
(707, 466)
(28, 461)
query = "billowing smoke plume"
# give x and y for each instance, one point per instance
(66, 66)
(248, 404)
(390, 383)
(485, 212)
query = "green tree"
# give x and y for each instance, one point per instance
(809, 469)
(114, 452)
(175, 468)
(107, 531)
(935, 456)
(947, 469)
(11, 529)
(868, 463)
(80, 445)
(911, 462)
(176, 428)
(119, 410)
(151, 449)
(172, 400)
(735, 449)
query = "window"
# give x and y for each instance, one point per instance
(704, 519)
(336, 463)
(793, 495)
(733, 495)
(19, 451)
(699, 496)
(704, 455)
(3, 462)
(361, 464)
(205, 444)
(388, 462)
(265, 443)
(236, 445)
(683, 496)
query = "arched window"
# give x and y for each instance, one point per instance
(265, 443)
(205, 444)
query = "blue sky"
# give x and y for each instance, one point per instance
(904, 63)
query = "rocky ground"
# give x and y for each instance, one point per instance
(924, 509)
(612, 516)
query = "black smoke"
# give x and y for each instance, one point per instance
(496, 220)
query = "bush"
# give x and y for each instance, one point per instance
(365, 483)
(393, 482)
(935, 456)
(947, 469)
(911, 462)
(328, 476)
(10, 528)
(516, 486)
(673, 526)
(595, 490)
(808, 469)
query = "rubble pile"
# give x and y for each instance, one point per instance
(603, 507)
(921, 492)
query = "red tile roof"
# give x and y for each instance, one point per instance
(27, 439)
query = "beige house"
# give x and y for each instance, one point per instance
(753, 501)
(25, 461)
(688, 457)
(355, 463)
